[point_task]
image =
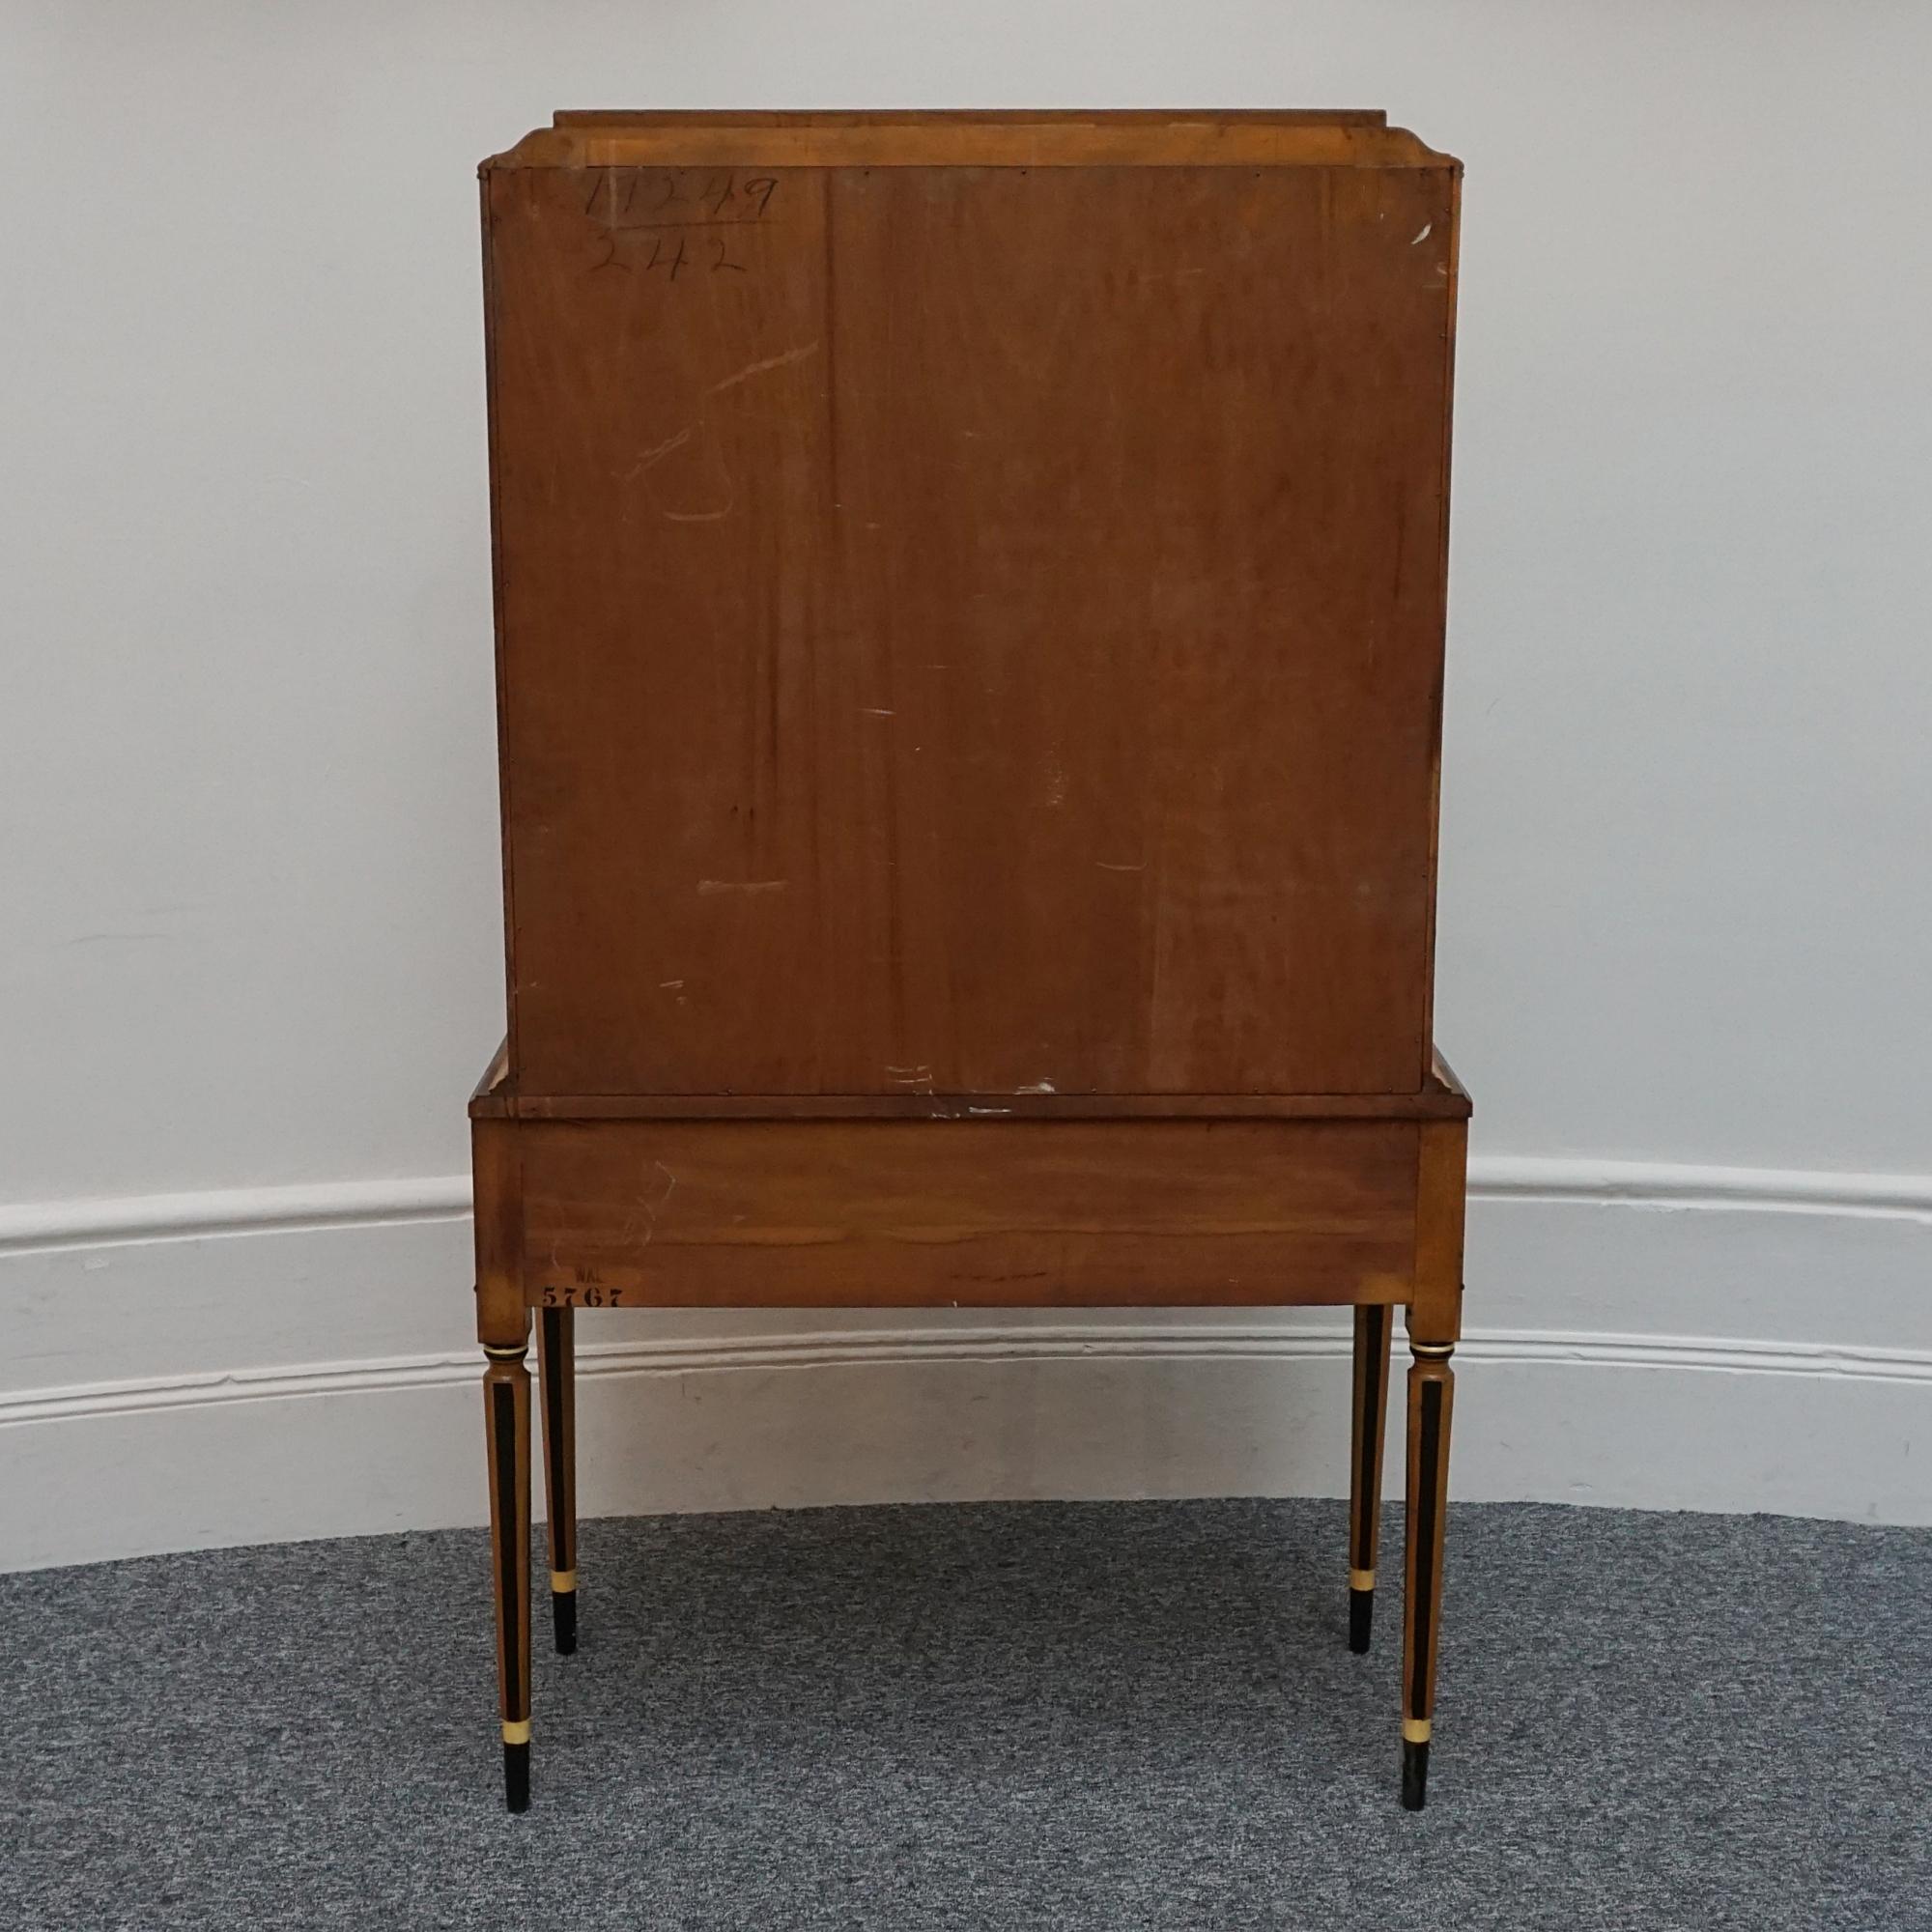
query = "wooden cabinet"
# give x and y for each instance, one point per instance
(970, 608)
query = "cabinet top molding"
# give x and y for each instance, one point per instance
(1352, 137)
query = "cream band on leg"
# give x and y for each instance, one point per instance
(1415, 1730)
(1361, 1579)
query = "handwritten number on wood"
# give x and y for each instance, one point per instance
(670, 202)
(671, 262)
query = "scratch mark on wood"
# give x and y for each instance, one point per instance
(752, 369)
(658, 451)
(653, 1208)
(707, 887)
(1107, 866)
(1037, 1087)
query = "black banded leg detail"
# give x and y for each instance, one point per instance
(506, 1411)
(557, 1366)
(1431, 1388)
(1369, 1410)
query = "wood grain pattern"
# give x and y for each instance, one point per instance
(971, 630)
(1432, 1104)
(1432, 1392)
(506, 1414)
(1441, 1191)
(884, 1213)
(1016, 138)
(496, 1098)
(557, 1379)
(1140, 119)
(503, 1319)
(1367, 1417)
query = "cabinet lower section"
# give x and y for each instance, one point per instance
(949, 1213)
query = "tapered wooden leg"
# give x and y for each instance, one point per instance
(1431, 1388)
(1372, 1324)
(556, 1361)
(506, 1410)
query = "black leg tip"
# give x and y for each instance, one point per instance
(1361, 1619)
(563, 1621)
(1414, 1775)
(516, 1777)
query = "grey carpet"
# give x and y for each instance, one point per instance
(1115, 1716)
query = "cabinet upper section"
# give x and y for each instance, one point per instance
(970, 601)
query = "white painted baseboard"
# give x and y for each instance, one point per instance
(258, 1365)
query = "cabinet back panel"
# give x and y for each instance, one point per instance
(975, 629)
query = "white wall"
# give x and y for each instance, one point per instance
(246, 785)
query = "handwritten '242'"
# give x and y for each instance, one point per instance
(663, 207)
